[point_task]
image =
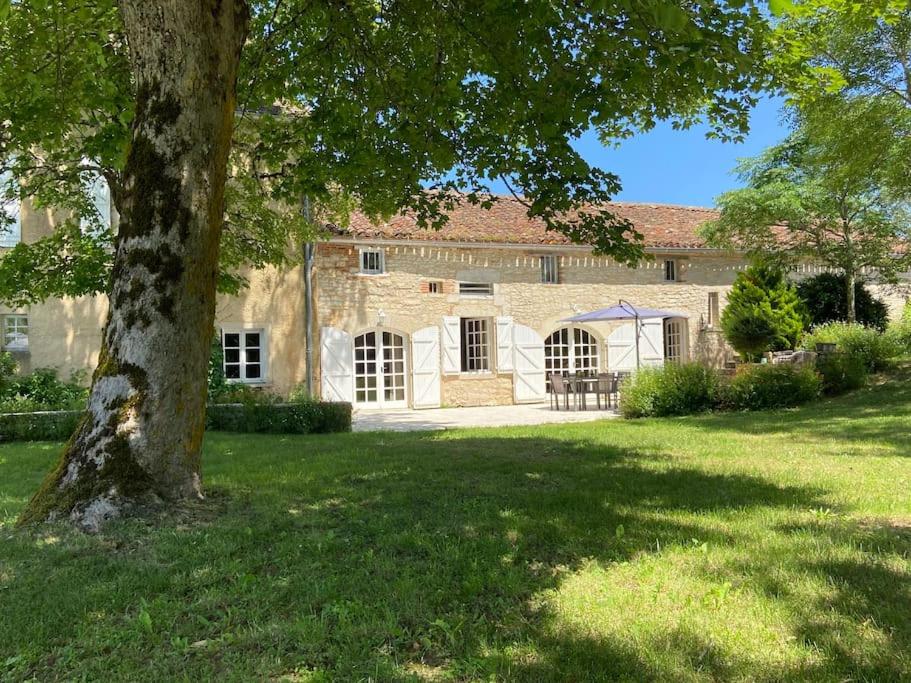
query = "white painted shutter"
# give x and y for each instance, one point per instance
(425, 367)
(504, 344)
(528, 361)
(621, 349)
(336, 365)
(451, 345)
(651, 342)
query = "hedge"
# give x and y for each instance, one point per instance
(310, 417)
(55, 425)
(283, 418)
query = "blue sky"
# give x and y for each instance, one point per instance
(682, 167)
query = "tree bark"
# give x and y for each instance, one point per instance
(141, 436)
(850, 284)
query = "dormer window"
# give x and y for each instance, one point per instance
(372, 262)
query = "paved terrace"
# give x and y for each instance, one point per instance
(406, 420)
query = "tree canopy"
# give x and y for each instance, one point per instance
(370, 105)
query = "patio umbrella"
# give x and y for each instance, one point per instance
(624, 310)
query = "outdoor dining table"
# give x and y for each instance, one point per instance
(583, 385)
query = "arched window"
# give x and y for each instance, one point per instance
(570, 350)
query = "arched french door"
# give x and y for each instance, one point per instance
(379, 370)
(570, 350)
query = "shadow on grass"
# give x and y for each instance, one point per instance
(388, 556)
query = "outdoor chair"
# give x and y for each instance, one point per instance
(607, 387)
(560, 387)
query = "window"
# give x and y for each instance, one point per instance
(244, 355)
(100, 196)
(550, 274)
(15, 332)
(670, 271)
(673, 340)
(10, 223)
(475, 345)
(434, 287)
(570, 350)
(372, 262)
(713, 309)
(475, 289)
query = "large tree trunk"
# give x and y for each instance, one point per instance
(850, 285)
(140, 440)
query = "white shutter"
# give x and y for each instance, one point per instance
(651, 341)
(528, 361)
(504, 344)
(425, 367)
(451, 345)
(336, 365)
(621, 349)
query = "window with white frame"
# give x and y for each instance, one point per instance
(244, 355)
(100, 200)
(372, 262)
(10, 216)
(550, 273)
(670, 270)
(15, 331)
(475, 345)
(475, 289)
(434, 287)
(713, 315)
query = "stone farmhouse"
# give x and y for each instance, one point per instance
(404, 317)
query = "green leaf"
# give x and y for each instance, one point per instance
(781, 7)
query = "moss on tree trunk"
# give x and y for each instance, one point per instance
(140, 439)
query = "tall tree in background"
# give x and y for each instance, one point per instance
(359, 103)
(823, 195)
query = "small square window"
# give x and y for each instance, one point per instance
(244, 355)
(670, 271)
(15, 332)
(434, 287)
(550, 274)
(372, 262)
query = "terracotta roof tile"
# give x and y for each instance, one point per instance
(506, 222)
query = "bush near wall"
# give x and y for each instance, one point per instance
(56, 425)
(693, 388)
(841, 372)
(872, 347)
(674, 389)
(310, 417)
(761, 387)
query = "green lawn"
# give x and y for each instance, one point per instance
(766, 547)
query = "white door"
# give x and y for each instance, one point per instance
(379, 370)
(336, 372)
(570, 350)
(651, 341)
(425, 367)
(621, 349)
(528, 361)
(675, 340)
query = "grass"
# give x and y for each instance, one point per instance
(760, 547)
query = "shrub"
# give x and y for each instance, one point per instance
(674, 389)
(42, 390)
(217, 385)
(901, 329)
(39, 426)
(872, 347)
(763, 313)
(309, 417)
(825, 297)
(759, 387)
(841, 372)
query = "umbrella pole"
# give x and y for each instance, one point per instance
(637, 343)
